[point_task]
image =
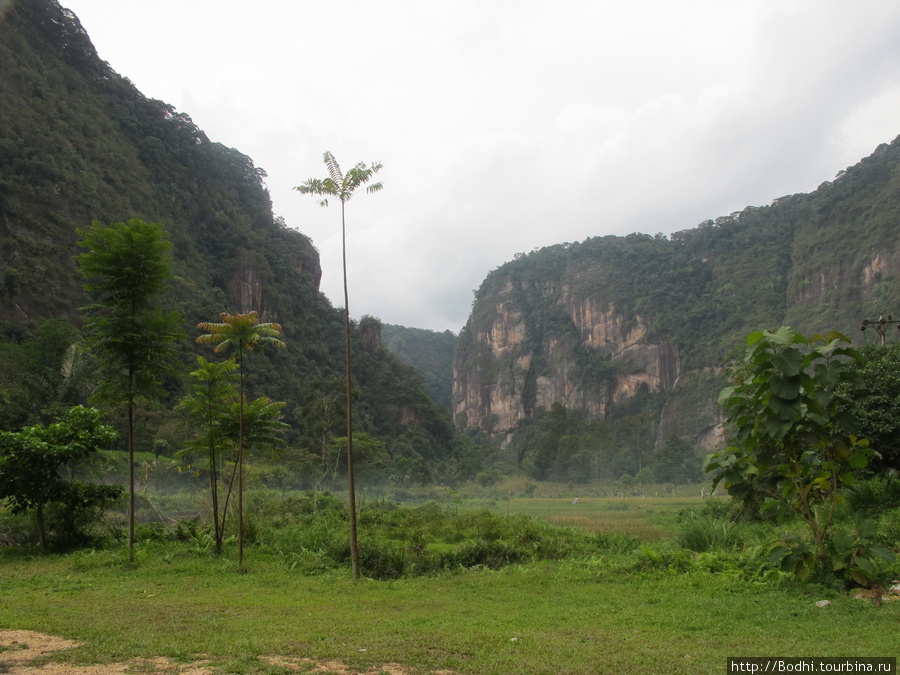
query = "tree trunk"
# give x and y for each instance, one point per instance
(351, 487)
(214, 493)
(131, 478)
(241, 465)
(41, 527)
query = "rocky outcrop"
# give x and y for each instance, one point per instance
(510, 369)
(252, 279)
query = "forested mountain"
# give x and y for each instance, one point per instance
(79, 143)
(588, 360)
(633, 331)
(430, 352)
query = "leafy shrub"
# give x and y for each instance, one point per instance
(856, 554)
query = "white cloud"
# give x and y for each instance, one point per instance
(512, 124)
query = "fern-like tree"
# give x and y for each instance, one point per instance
(241, 333)
(125, 269)
(342, 186)
(207, 409)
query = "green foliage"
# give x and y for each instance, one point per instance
(125, 269)
(871, 496)
(429, 352)
(31, 478)
(889, 528)
(786, 446)
(872, 398)
(43, 372)
(793, 555)
(701, 533)
(675, 461)
(857, 553)
(207, 410)
(308, 532)
(258, 423)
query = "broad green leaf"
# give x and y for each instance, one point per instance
(858, 460)
(785, 387)
(789, 362)
(785, 409)
(755, 337)
(866, 565)
(885, 554)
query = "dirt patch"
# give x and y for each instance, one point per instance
(24, 652)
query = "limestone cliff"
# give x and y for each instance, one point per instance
(590, 325)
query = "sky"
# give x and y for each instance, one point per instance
(508, 125)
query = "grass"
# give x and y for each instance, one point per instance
(610, 608)
(649, 518)
(542, 618)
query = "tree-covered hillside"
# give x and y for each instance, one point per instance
(430, 352)
(79, 143)
(599, 326)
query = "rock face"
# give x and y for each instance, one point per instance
(593, 325)
(522, 373)
(252, 278)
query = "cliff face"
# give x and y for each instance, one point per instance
(505, 373)
(594, 324)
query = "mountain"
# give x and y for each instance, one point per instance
(79, 143)
(614, 328)
(429, 352)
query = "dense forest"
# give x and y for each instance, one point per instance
(81, 144)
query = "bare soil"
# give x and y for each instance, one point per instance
(25, 651)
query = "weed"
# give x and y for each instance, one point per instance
(702, 533)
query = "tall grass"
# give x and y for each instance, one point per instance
(701, 533)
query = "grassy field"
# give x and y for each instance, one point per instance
(649, 518)
(546, 618)
(575, 616)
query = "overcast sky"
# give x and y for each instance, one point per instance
(508, 125)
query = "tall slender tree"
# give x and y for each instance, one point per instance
(342, 186)
(242, 333)
(207, 407)
(125, 268)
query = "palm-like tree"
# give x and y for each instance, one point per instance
(342, 186)
(240, 332)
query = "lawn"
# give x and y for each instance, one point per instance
(563, 617)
